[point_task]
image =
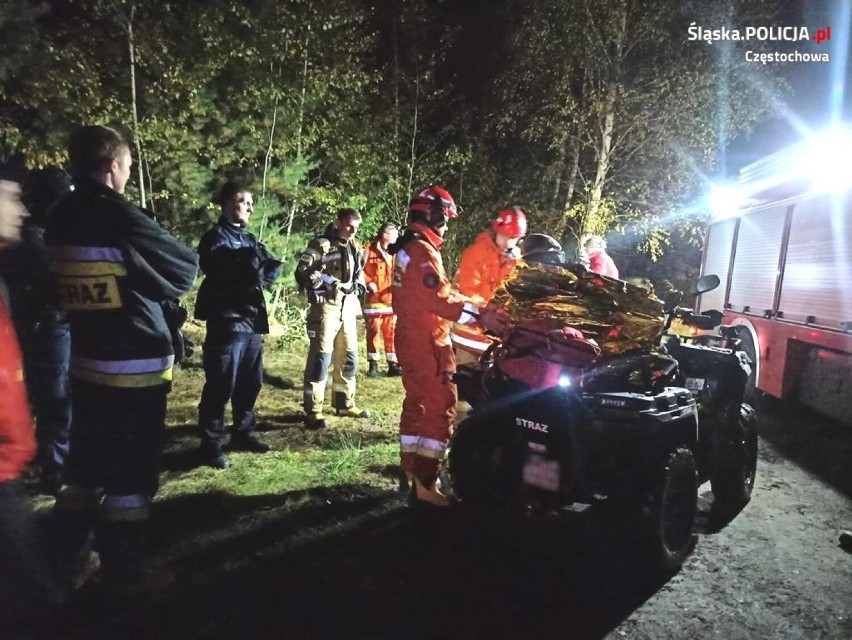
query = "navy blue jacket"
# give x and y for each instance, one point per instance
(236, 268)
(115, 266)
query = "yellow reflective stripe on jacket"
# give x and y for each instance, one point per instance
(143, 372)
(98, 268)
(86, 277)
(123, 380)
(98, 293)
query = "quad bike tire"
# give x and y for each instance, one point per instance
(482, 462)
(736, 467)
(669, 513)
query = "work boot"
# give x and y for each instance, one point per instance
(248, 443)
(315, 421)
(212, 456)
(353, 412)
(423, 495)
(394, 370)
(373, 369)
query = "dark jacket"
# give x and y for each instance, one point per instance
(236, 268)
(336, 259)
(115, 266)
(31, 285)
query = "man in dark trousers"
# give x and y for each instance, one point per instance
(114, 266)
(236, 268)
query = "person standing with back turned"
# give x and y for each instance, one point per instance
(114, 266)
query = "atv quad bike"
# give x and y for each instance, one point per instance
(633, 433)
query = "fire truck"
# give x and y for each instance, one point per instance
(785, 262)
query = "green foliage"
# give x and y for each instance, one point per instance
(318, 105)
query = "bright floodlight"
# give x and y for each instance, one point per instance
(827, 160)
(726, 201)
(564, 380)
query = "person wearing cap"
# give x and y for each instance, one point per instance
(540, 248)
(237, 267)
(42, 328)
(115, 266)
(378, 305)
(25, 582)
(331, 271)
(594, 257)
(482, 267)
(426, 306)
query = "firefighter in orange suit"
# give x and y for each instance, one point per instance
(482, 268)
(426, 306)
(377, 307)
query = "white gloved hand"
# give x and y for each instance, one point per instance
(470, 313)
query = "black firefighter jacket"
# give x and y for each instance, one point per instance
(236, 268)
(115, 266)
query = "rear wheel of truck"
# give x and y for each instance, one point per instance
(669, 513)
(736, 467)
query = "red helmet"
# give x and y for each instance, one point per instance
(433, 205)
(511, 222)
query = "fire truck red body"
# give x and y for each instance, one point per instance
(785, 263)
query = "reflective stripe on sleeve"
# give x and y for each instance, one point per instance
(477, 346)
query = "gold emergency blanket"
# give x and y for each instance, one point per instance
(617, 315)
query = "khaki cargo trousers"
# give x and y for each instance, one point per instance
(332, 331)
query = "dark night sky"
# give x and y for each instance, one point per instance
(809, 101)
(810, 83)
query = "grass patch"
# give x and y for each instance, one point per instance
(350, 452)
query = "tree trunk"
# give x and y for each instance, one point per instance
(612, 90)
(398, 198)
(413, 143)
(132, 51)
(573, 176)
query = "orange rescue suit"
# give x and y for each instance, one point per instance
(17, 435)
(482, 268)
(422, 299)
(378, 305)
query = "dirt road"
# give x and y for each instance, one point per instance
(356, 564)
